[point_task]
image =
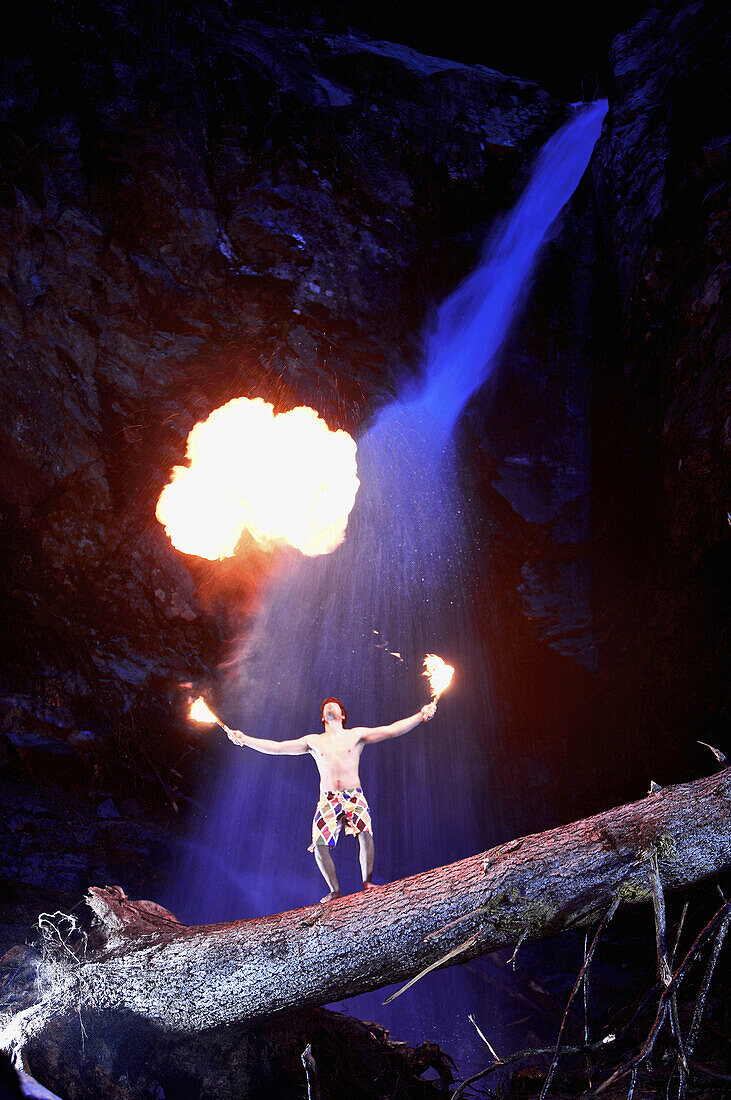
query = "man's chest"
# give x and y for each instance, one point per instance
(341, 749)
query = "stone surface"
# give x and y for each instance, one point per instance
(59, 836)
(125, 1060)
(188, 217)
(599, 448)
(661, 407)
(244, 212)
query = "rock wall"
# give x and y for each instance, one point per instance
(196, 208)
(660, 411)
(193, 208)
(528, 449)
(193, 212)
(599, 446)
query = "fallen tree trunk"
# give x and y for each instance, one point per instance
(191, 978)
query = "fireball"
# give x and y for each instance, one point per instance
(283, 477)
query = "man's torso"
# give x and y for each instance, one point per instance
(337, 756)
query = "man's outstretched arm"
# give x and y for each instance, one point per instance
(271, 748)
(397, 729)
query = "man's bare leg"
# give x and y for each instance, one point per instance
(324, 861)
(366, 850)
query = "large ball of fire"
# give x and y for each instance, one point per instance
(283, 477)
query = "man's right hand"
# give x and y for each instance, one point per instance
(428, 711)
(236, 736)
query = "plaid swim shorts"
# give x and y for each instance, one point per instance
(333, 807)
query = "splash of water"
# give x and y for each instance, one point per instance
(356, 624)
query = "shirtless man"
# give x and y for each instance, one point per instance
(336, 753)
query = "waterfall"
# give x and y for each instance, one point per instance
(473, 322)
(357, 623)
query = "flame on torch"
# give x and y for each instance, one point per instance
(438, 673)
(201, 712)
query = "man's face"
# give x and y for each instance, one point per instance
(332, 712)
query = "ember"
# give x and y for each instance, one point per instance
(282, 477)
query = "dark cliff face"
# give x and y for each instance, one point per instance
(561, 45)
(188, 219)
(195, 209)
(598, 449)
(660, 414)
(527, 440)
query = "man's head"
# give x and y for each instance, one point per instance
(331, 710)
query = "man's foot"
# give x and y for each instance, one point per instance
(370, 886)
(331, 896)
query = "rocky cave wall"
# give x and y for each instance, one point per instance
(661, 413)
(599, 448)
(196, 208)
(250, 214)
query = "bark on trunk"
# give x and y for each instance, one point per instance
(190, 978)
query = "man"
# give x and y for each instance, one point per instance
(336, 752)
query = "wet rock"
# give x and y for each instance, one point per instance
(123, 1059)
(598, 445)
(57, 841)
(250, 212)
(659, 408)
(107, 809)
(531, 429)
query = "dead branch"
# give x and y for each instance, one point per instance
(577, 985)
(718, 924)
(521, 1056)
(310, 1068)
(664, 970)
(705, 985)
(720, 918)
